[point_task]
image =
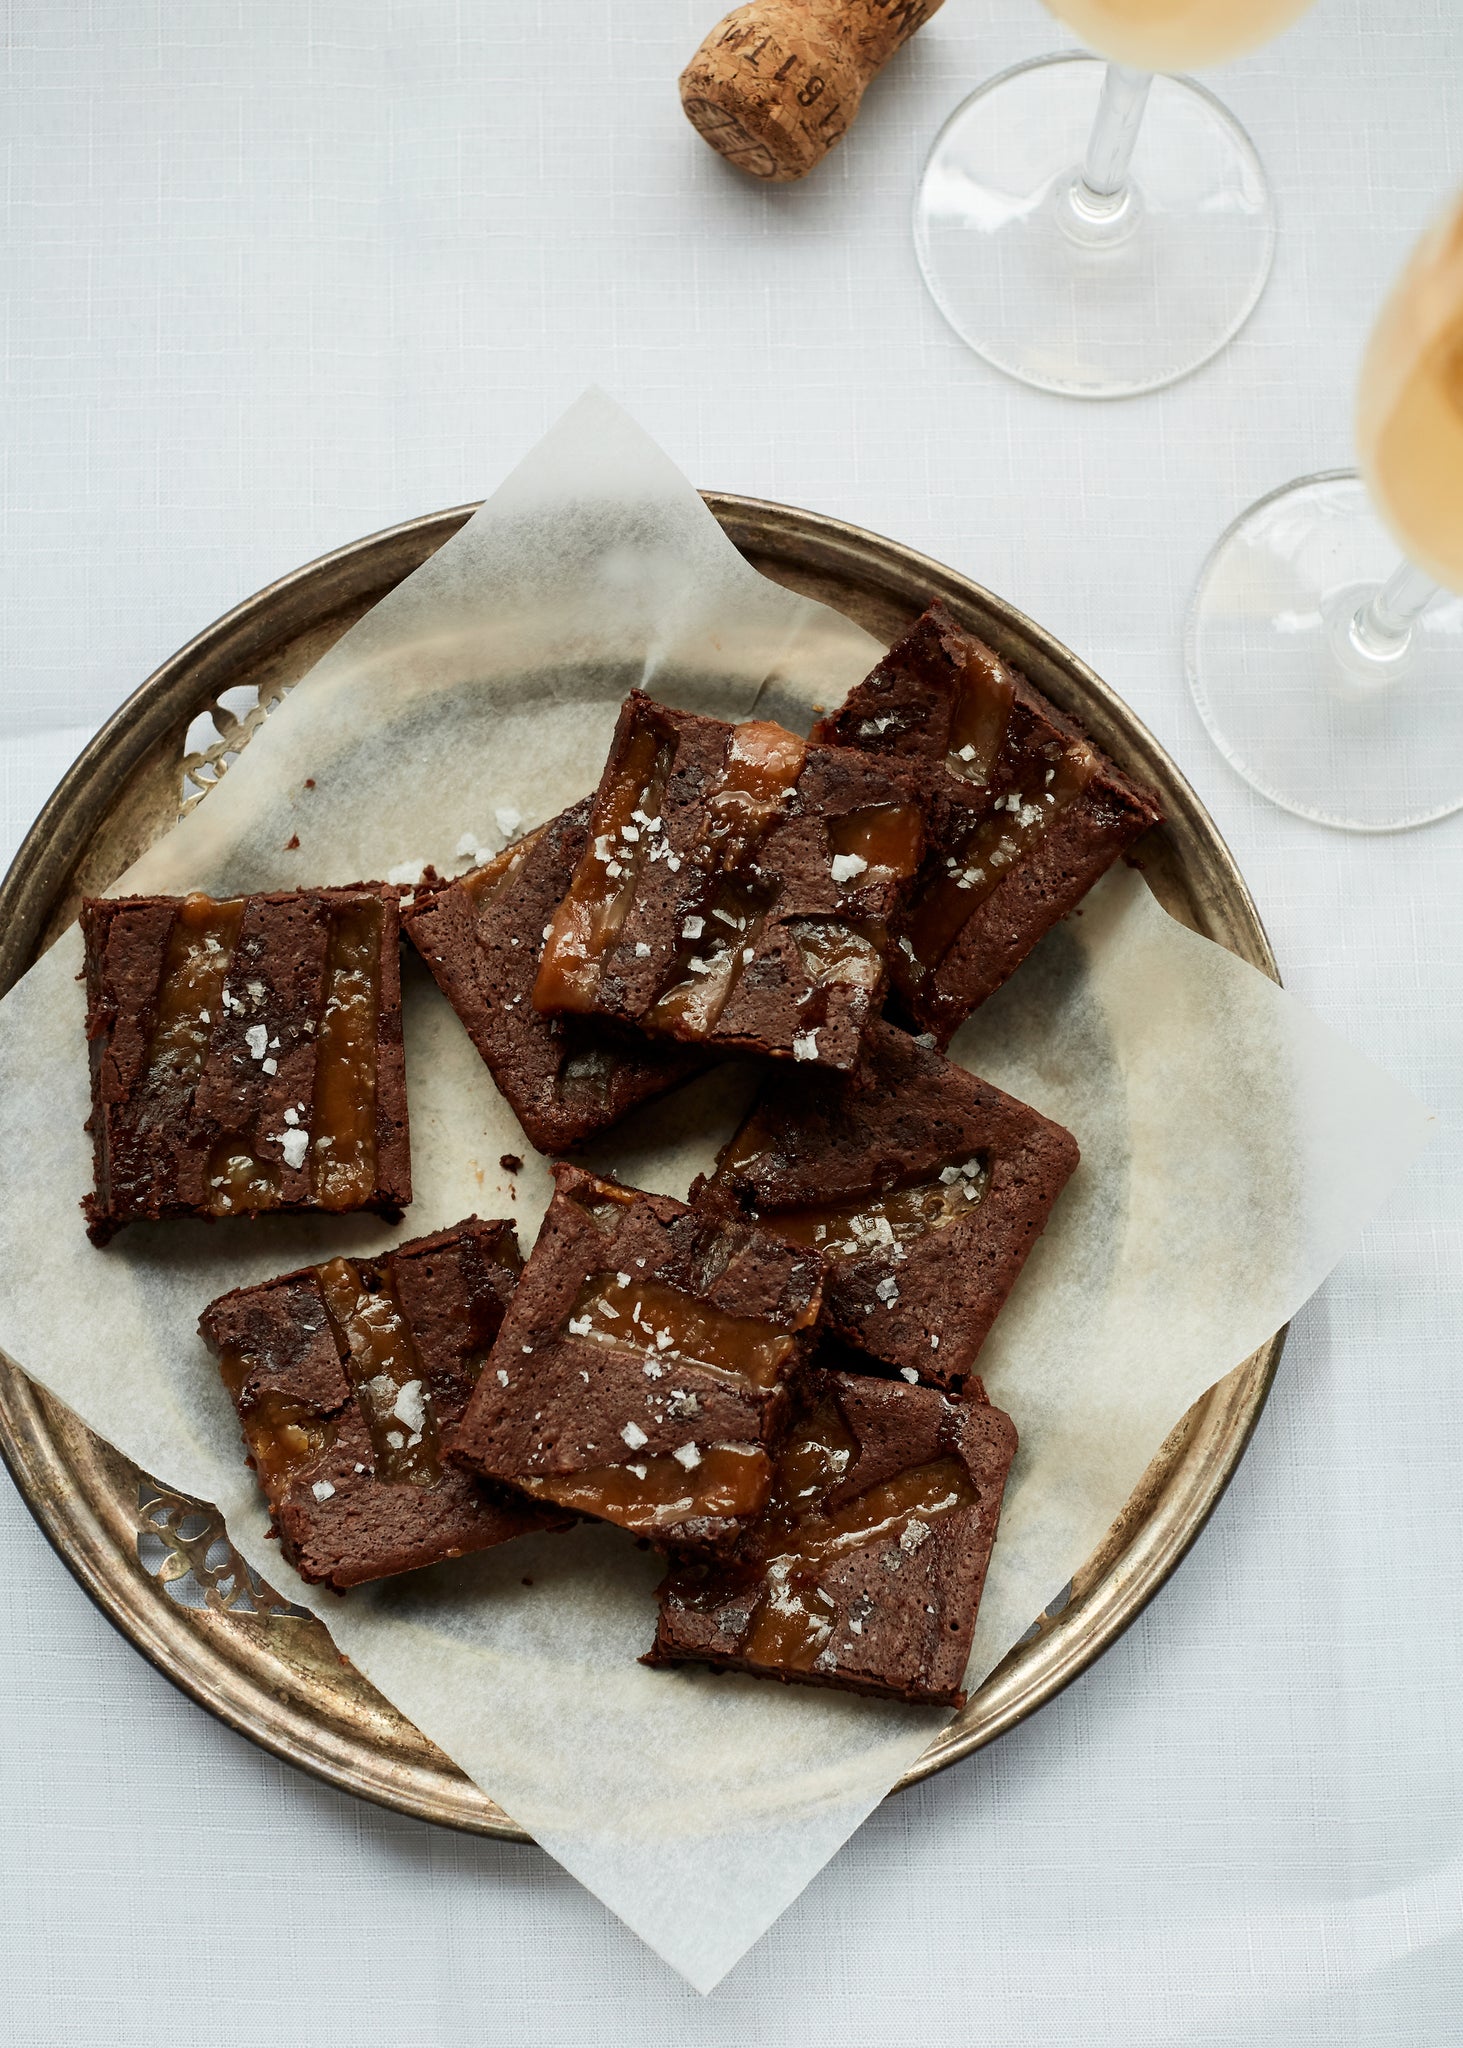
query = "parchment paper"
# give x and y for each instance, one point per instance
(1232, 1148)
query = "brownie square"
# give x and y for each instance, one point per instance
(922, 1187)
(245, 1055)
(1024, 813)
(481, 935)
(346, 1377)
(735, 889)
(866, 1570)
(641, 1373)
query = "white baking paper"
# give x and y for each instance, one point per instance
(1232, 1148)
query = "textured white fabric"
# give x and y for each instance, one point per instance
(278, 272)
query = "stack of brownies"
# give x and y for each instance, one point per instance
(772, 1382)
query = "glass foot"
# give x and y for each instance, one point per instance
(1094, 308)
(1369, 739)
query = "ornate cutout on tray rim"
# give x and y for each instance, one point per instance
(185, 1548)
(219, 733)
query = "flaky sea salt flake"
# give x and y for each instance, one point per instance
(410, 1406)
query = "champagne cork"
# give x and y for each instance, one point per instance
(776, 83)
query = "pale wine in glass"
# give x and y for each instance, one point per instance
(1329, 673)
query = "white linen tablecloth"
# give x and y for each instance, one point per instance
(278, 273)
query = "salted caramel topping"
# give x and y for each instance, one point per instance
(382, 1363)
(672, 1328)
(982, 714)
(488, 881)
(885, 837)
(343, 1126)
(882, 1514)
(625, 827)
(763, 762)
(835, 952)
(727, 1481)
(818, 1452)
(759, 771)
(239, 1180)
(711, 961)
(281, 1434)
(200, 946)
(875, 1223)
(792, 1622)
(1021, 817)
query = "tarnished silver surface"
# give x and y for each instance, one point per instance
(159, 1566)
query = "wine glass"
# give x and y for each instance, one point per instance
(1092, 228)
(1329, 674)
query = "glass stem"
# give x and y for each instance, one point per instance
(1383, 625)
(1104, 183)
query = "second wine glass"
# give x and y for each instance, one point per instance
(1101, 229)
(1329, 671)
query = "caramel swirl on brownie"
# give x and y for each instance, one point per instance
(346, 1376)
(924, 1189)
(1023, 813)
(735, 891)
(866, 1569)
(246, 1055)
(642, 1373)
(482, 935)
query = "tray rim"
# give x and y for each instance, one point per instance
(1136, 1559)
